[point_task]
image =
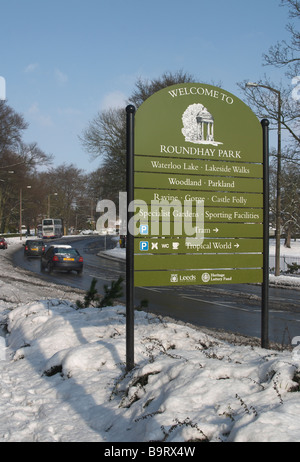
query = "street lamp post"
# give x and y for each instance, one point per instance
(278, 187)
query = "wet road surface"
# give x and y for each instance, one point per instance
(233, 308)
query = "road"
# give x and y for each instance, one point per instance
(233, 308)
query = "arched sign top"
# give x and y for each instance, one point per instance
(197, 121)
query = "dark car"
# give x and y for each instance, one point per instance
(62, 257)
(3, 243)
(34, 248)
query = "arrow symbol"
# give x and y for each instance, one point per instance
(216, 230)
(236, 245)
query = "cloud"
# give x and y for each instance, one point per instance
(69, 111)
(31, 68)
(114, 99)
(35, 113)
(60, 77)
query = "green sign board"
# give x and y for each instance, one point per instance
(198, 188)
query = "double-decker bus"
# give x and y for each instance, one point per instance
(51, 228)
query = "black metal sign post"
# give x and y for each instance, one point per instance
(130, 111)
(265, 284)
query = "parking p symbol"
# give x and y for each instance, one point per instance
(144, 245)
(144, 229)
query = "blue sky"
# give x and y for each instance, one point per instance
(63, 61)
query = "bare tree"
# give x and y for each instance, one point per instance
(287, 54)
(265, 104)
(65, 184)
(105, 136)
(146, 88)
(12, 125)
(18, 164)
(290, 202)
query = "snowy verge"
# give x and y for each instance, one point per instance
(65, 379)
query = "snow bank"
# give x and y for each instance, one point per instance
(64, 379)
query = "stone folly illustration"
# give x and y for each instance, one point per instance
(198, 125)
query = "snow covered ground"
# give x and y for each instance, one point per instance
(63, 375)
